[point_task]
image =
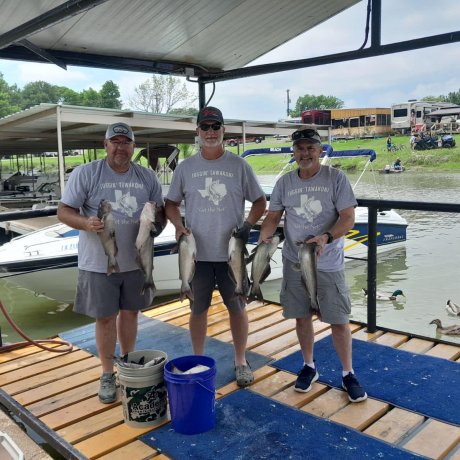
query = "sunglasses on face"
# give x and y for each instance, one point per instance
(214, 126)
(304, 134)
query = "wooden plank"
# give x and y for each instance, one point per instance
(327, 403)
(92, 425)
(109, 440)
(51, 376)
(274, 383)
(395, 425)
(416, 345)
(76, 412)
(434, 440)
(391, 339)
(9, 357)
(276, 345)
(136, 450)
(297, 399)
(56, 362)
(57, 387)
(445, 351)
(360, 415)
(362, 334)
(64, 399)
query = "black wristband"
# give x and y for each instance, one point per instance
(330, 238)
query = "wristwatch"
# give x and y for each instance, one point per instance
(330, 238)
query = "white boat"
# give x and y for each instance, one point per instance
(45, 261)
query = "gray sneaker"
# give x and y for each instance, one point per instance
(107, 388)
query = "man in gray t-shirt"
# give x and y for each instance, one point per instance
(214, 185)
(319, 207)
(115, 300)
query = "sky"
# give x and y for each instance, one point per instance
(373, 82)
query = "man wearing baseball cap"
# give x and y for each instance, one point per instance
(319, 207)
(104, 199)
(214, 184)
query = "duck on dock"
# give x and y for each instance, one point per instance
(452, 308)
(380, 295)
(449, 330)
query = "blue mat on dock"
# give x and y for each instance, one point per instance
(419, 383)
(173, 340)
(252, 427)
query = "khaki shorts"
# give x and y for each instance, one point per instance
(100, 296)
(208, 276)
(334, 301)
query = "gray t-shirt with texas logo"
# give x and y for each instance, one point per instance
(214, 192)
(127, 193)
(312, 207)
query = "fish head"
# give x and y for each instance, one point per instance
(104, 208)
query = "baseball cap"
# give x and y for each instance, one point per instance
(119, 129)
(211, 114)
(306, 134)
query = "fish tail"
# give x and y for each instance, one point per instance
(149, 285)
(186, 292)
(112, 266)
(255, 293)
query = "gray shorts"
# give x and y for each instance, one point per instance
(100, 296)
(334, 301)
(208, 276)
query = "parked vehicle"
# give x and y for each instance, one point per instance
(239, 140)
(427, 142)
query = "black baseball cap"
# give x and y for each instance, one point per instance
(210, 114)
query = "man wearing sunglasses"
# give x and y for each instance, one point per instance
(214, 185)
(319, 207)
(113, 297)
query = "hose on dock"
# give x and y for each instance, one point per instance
(68, 347)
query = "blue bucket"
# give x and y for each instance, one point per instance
(191, 396)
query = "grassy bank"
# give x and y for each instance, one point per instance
(435, 160)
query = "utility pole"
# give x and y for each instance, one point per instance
(288, 101)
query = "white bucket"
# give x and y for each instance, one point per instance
(143, 391)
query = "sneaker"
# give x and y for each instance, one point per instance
(107, 388)
(244, 375)
(306, 377)
(355, 391)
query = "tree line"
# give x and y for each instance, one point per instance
(158, 94)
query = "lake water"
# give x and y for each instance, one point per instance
(426, 269)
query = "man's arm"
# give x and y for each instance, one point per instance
(270, 224)
(257, 210)
(172, 210)
(72, 217)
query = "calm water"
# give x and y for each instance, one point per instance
(426, 269)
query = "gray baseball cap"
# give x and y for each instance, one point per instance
(119, 129)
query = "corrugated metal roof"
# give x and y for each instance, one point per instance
(36, 129)
(211, 34)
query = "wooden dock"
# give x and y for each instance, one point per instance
(60, 391)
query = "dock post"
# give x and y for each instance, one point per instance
(372, 270)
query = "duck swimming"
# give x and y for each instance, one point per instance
(380, 295)
(452, 308)
(449, 330)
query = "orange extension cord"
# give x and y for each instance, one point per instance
(29, 341)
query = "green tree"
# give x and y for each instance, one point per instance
(159, 94)
(454, 97)
(90, 98)
(190, 111)
(38, 92)
(110, 95)
(310, 101)
(434, 99)
(68, 96)
(10, 98)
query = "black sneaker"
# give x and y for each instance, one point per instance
(306, 377)
(355, 391)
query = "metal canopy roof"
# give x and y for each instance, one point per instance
(207, 39)
(185, 37)
(40, 128)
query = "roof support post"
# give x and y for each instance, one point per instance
(60, 151)
(376, 23)
(201, 94)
